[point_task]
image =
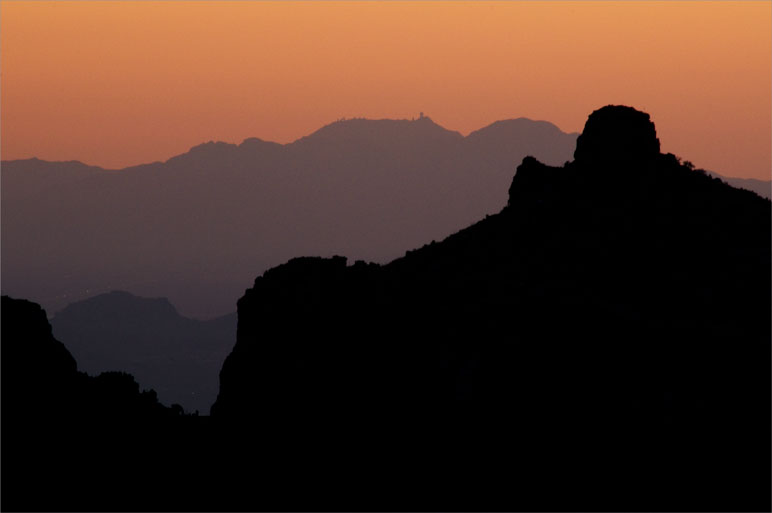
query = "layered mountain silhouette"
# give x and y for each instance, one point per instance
(179, 358)
(40, 370)
(199, 226)
(62, 429)
(602, 343)
(586, 331)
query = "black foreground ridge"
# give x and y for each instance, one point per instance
(603, 343)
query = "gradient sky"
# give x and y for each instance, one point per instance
(121, 83)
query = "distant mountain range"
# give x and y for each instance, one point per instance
(179, 358)
(197, 227)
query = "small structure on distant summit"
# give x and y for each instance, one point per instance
(421, 115)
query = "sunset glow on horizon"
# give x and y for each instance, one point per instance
(122, 83)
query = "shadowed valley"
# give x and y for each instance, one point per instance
(179, 358)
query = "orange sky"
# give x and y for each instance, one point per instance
(121, 83)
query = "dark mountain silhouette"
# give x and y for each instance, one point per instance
(62, 428)
(199, 226)
(178, 357)
(602, 343)
(583, 340)
(34, 362)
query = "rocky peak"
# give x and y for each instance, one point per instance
(616, 134)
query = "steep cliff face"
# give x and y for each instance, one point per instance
(39, 374)
(621, 324)
(317, 317)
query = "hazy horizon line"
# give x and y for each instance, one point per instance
(343, 119)
(339, 120)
